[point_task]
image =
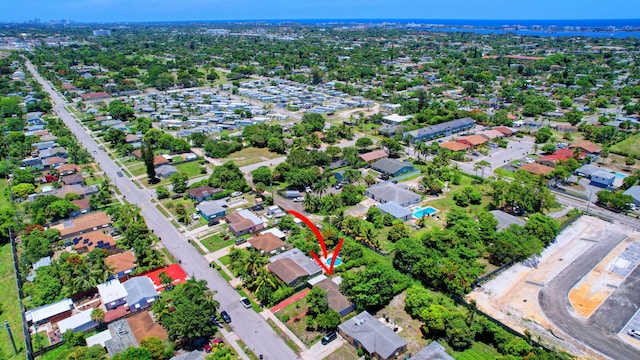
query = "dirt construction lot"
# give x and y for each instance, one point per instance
(514, 297)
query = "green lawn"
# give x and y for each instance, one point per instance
(225, 260)
(137, 169)
(192, 169)
(299, 326)
(477, 351)
(10, 307)
(251, 155)
(216, 242)
(628, 147)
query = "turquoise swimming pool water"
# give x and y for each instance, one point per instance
(338, 261)
(621, 176)
(421, 212)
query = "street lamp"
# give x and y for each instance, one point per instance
(589, 201)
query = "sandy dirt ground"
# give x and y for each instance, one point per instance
(587, 295)
(512, 297)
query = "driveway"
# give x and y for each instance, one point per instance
(247, 324)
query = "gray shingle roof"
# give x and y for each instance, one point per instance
(604, 174)
(634, 192)
(210, 208)
(433, 351)
(389, 166)
(443, 127)
(388, 192)
(138, 288)
(394, 210)
(310, 266)
(587, 170)
(373, 335)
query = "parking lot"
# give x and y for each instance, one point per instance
(633, 324)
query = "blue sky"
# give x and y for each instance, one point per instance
(185, 10)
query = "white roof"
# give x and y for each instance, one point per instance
(396, 118)
(99, 338)
(47, 311)
(111, 291)
(75, 321)
(275, 231)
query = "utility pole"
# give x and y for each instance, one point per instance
(13, 343)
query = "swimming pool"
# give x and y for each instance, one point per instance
(421, 212)
(338, 261)
(621, 176)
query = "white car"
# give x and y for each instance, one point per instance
(236, 193)
(298, 199)
(634, 333)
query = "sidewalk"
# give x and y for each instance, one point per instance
(288, 301)
(266, 314)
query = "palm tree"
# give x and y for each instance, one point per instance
(97, 315)
(482, 165)
(321, 187)
(254, 262)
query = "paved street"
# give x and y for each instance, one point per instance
(247, 324)
(554, 301)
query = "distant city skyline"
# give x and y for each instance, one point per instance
(203, 10)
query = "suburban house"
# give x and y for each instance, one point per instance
(454, 146)
(83, 224)
(551, 160)
(392, 167)
(122, 264)
(433, 351)
(472, 140)
(634, 192)
(79, 322)
(72, 179)
(140, 293)
(267, 243)
(143, 326)
(276, 232)
(603, 178)
(491, 134)
(244, 222)
(53, 162)
(385, 192)
(440, 130)
(587, 170)
(337, 302)
(373, 336)
(293, 267)
(83, 207)
(395, 210)
(537, 169)
(505, 219)
(201, 193)
(211, 209)
(94, 240)
(133, 140)
(159, 160)
(504, 130)
(395, 119)
(113, 294)
(52, 312)
(587, 146)
(174, 271)
(165, 171)
(375, 155)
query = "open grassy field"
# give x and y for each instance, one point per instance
(192, 169)
(628, 147)
(477, 351)
(251, 155)
(299, 325)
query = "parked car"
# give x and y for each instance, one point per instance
(634, 333)
(298, 199)
(214, 222)
(225, 316)
(240, 241)
(329, 337)
(236, 193)
(245, 302)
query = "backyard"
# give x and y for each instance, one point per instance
(293, 316)
(216, 242)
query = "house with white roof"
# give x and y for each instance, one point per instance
(113, 294)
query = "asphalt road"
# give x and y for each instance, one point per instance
(554, 301)
(247, 324)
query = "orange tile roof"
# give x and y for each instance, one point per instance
(473, 140)
(159, 160)
(122, 261)
(143, 326)
(90, 240)
(374, 155)
(537, 169)
(83, 223)
(266, 242)
(454, 146)
(587, 146)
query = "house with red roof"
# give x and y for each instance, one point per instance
(174, 271)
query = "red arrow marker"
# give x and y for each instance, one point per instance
(318, 235)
